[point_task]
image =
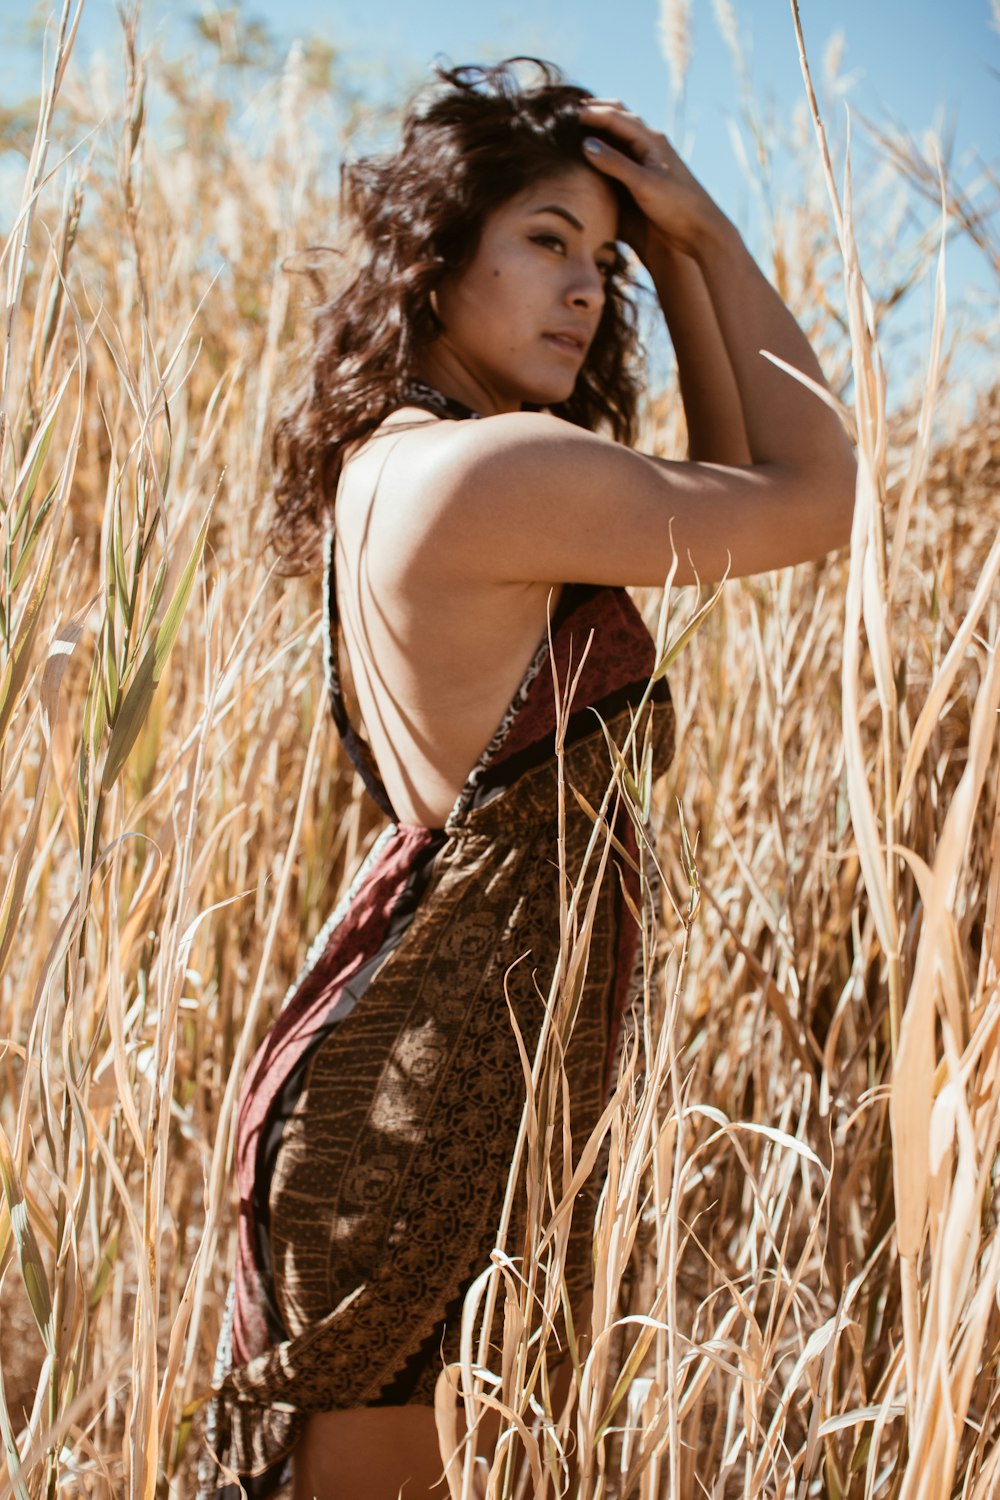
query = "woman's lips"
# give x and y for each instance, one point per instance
(565, 343)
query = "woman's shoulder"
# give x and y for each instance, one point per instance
(439, 460)
(489, 455)
(501, 497)
(509, 430)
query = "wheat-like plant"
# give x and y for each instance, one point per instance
(796, 1253)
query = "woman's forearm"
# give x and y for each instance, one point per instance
(784, 421)
(786, 424)
(716, 432)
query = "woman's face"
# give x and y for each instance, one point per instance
(520, 318)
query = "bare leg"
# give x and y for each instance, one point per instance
(388, 1452)
(376, 1453)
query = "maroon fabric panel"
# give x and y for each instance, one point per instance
(250, 1332)
(621, 653)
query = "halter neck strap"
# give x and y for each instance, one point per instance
(419, 393)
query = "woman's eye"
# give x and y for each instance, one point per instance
(548, 239)
(549, 242)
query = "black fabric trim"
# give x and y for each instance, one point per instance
(400, 1389)
(419, 393)
(580, 726)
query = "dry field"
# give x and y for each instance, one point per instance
(797, 1258)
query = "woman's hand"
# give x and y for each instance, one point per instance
(671, 206)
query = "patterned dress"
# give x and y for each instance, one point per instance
(378, 1118)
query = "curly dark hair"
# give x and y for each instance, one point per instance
(471, 141)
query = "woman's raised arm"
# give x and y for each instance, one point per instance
(524, 496)
(673, 212)
(712, 410)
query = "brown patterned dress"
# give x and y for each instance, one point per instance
(378, 1119)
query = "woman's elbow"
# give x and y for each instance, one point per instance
(841, 488)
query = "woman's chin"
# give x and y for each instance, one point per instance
(549, 392)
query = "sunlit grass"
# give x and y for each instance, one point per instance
(796, 1257)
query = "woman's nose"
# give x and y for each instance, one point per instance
(586, 289)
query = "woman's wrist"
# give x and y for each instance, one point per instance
(714, 234)
(717, 235)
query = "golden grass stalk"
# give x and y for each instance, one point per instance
(674, 32)
(795, 1251)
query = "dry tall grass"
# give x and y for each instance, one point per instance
(797, 1257)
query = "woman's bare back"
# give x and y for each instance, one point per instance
(435, 657)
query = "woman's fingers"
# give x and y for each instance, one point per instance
(615, 163)
(617, 120)
(667, 195)
(642, 150)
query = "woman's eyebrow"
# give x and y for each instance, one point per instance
(564, 213)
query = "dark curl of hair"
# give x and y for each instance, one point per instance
(471, 141)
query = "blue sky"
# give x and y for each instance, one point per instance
(923, 65)
(923, 61)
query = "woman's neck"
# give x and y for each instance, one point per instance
(432, 398)
(444, 370)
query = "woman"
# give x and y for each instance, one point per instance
(453, 423)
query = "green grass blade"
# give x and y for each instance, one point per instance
(133, 710)
(16, 671)
(28, 1254)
